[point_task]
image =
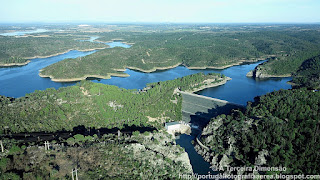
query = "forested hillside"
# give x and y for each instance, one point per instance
(195, 49)
(296, 48)
(308, 74)
(19, 49)
(98, 105)
(165, 46)
(277, 129)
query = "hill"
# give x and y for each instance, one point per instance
(97, 105)
(18, 50)
(308, 74)
(195, 50)
(277, 129)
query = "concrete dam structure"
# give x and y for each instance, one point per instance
(197, 109)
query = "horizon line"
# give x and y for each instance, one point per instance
(146, 22)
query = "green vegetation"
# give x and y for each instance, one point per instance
(308, 74)
(165, 49)
(165, 46)
(277, 129)
(107, 157)
(97, 105)
(19, 49)
(296, 47)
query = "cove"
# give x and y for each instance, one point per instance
(17, 81)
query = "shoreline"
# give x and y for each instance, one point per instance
(224, 81)
(189, 67)
(252, 74)
(137, 69)
(15, 64)
(106, 77)
(277, 76)
(56, 54)
(105, 42)
(226, 66)
(147, 71)
(83, 77)
(151, 70)
(52, 55)
(292, 83)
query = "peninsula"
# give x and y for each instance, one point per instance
(85, 104)
(17, 51)
(196, 50)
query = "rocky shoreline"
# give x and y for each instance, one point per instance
(82, 78)
(105, 77)
(161, 68)
(56, 54)
(259, 73)
(242, 61)
(222, 67)
(222, 82)
(154, 68)
(15, 64)
(141, 70)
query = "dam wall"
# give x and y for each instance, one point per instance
(197, 109)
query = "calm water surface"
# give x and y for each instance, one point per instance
(18, 81)
(199, 165)
(22, 33)
(238, 90)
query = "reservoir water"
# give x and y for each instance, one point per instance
(18, 81)
(22, 33)
(238, 90)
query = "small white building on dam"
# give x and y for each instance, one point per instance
(178, 127)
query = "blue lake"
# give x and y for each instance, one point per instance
(18, 81)
(238, 90)
(22, 33)
(21, 80)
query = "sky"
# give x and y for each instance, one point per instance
(175, 11)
